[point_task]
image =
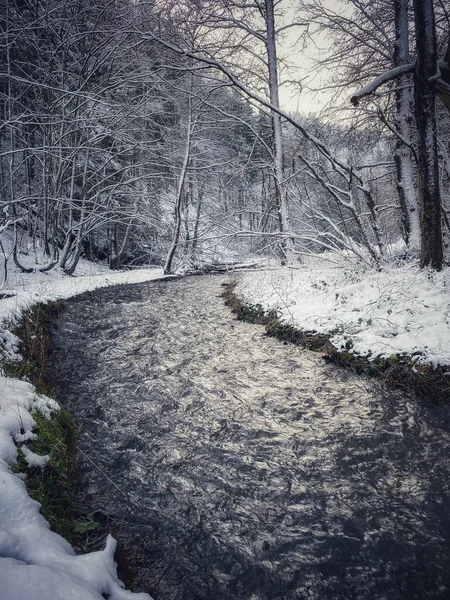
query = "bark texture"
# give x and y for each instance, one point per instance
(403, 159)
(431, 253)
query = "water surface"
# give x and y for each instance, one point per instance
(236, 466)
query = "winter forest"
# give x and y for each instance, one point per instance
(152, 133)
(271, 181)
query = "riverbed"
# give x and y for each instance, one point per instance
(233, 465)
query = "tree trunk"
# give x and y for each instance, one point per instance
(283, 213)
(188, 200)
(121, 254)
(443, 83)
(197, 218)
(180, 190)
(431, 252)
(403, 159)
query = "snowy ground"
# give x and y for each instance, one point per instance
(373, 313)
(36, 563)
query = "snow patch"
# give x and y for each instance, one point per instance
(32, 459)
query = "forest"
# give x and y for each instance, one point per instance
(197, 437)
(152, 133)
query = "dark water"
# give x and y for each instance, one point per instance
(235, 466)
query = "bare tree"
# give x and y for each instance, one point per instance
(426, 74)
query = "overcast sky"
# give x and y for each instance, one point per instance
(302, 55)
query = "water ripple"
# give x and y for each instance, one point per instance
(251, 469)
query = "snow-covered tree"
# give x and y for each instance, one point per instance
(426, 74)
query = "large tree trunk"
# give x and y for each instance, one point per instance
(443, 83)
(403, 158)
(425, 112)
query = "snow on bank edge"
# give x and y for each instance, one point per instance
(399, 310)
(34, 561)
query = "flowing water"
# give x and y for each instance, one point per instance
(236, 466)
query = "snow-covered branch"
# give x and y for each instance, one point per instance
(381, 80)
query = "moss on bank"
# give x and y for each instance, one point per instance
(34, 333)
(401, 371)
(53, 486)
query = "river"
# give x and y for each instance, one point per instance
(236, 466)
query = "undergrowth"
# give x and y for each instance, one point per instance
(401, 371)
(53, 486)
(34, 333)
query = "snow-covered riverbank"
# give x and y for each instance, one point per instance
(35, 562)
(397, 310)
(392, 311)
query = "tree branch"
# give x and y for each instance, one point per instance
(381, 80)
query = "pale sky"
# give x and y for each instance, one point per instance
(304, 101)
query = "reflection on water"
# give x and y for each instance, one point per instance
(248, 468)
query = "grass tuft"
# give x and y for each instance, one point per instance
(34, 331)
(52, 486)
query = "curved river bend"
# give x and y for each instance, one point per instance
(235, 466)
